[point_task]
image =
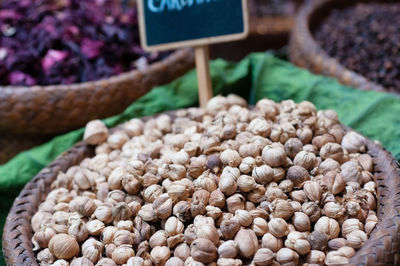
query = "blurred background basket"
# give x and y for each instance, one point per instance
(307, 53)
(46, 110)
(382, 248)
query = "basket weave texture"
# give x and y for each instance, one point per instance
(307, 53)
(45, 110)
(382, 248)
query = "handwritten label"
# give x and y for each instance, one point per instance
(170, 24)
(157, 6)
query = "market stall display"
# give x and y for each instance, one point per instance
(361, 45)
(63, 63)
(284, 170)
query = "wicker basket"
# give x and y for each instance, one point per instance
(305, 52)
(11, 145)
(382, 248)
(46, 110)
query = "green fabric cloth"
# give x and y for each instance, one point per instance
(259, 75)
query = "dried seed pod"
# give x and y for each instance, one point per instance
(305, 159)
(182, 251)
(274, 193)
(217, 199)
(79, 230)
(42, 237)
(203, 250)
(197, 208)
(122, 211)
(243, 217)
(282, 209)
(263, 174)
(287, 256)
(207, 231)
(235, 202)
(301, 221)
(350, 225)
(298, 175)
(351, 172)
(371, 222)
(250, 150)
(328, 165)
(312, 210)
(247, 242)
(298, 242)
(162, 206)
(196, 168)
(95, 133)
(293, 146)
(271, 242)
(159, 255)
(121, 254)
(336, 243)
(229, 228)
(318, 240)
(260, 126)
(333, 210)
(315, 257)
(333, 151)
(92, 250)
(246, 183)
(328, 226)
(366, 162)
(173, 226)
(286, 185)
(82, 261)
(106, 262)
(202, 195)
(228, 249)
(263, 256)
(313, 190)
(104, 214)
(230, 157)
(298, 196)
(336, 258)
(356, 238)
(63, 246)
(95, 227)
(259, 226)
(177, 192)
(278, 227)
(83, 205)
(274, 155)
(182, 210)
(334, 182)
(354, 142)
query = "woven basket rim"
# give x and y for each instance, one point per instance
(91, 84)
(381, 247)
(302, 24)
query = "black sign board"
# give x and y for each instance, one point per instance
(168, 24)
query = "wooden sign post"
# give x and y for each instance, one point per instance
(171, 24)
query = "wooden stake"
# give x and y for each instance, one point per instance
(202, 58)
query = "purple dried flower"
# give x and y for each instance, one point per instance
(68, 41)
(52, 57)
(91, 48)
(20, 78)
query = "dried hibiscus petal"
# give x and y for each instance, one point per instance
(68, 41)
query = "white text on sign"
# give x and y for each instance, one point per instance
(158, 6)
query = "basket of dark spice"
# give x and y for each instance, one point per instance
(276, 184)
(63, 63)
(356, 42)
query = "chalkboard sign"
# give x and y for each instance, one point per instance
(168, 24)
